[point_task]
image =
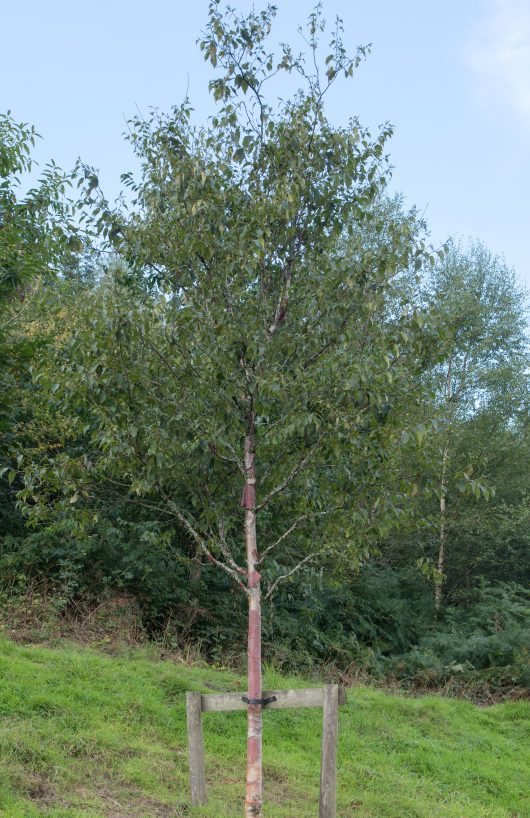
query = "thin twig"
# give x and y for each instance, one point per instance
(283, 577)
(290, 477)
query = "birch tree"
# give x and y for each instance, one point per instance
(481, 382)
(248, 355)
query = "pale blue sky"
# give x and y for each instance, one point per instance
(453, 77)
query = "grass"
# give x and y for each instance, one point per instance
(83, 735)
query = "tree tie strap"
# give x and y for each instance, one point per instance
(263, 702)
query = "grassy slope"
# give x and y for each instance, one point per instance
(86, 735)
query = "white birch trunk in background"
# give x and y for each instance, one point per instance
(442, 537)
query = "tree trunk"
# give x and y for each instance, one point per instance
(253, 800)
(442, 538)
(196, 568)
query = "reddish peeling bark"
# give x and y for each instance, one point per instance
(254, 791)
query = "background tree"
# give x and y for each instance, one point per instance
(481, 385)
(37, 236)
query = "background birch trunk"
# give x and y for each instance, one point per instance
(442, 539)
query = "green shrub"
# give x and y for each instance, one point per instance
(486, 638)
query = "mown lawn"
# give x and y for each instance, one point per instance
(83, 735)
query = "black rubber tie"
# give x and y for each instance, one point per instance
(263, 702)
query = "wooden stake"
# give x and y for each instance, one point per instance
(329, 697)
(328, 763)
(196, 749)
(300, 697)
